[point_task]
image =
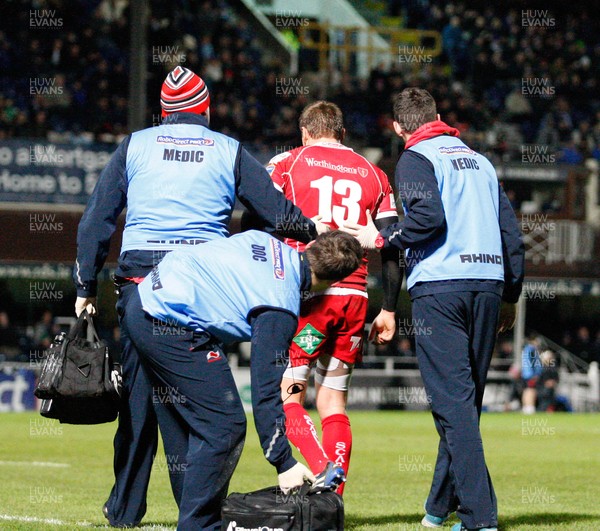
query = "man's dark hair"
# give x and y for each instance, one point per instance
(334, 255)
(414, 107)
(323, 119)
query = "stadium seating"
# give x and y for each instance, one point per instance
(503, 80)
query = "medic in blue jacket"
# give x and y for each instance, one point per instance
(179, 182)
(465, 267)
(244, 288)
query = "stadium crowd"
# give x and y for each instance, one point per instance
(504, 79)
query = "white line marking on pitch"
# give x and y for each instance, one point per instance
(35, 463)
(51, 521)
(55, 521)
(35, 519)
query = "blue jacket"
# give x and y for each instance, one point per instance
(470, 247)
(242, 288)
(215, 287)
(178, 181)
(459, 229)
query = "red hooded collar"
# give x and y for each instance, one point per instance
(429, 130)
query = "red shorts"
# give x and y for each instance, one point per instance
(331, 323)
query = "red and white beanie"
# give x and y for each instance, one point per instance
(183, 91)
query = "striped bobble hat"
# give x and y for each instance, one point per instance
(183, 91)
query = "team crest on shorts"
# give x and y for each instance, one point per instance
(309, 338)
(213, 356)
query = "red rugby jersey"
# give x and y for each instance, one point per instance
(331, 180)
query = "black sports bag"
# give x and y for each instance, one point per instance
(271, 510)
(79, 382)
(76, 367)
(80, 410)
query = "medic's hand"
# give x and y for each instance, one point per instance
(85, 303)
(383, 327)
(295, 477)
(508, 316)
(365, 234)
(321, 227)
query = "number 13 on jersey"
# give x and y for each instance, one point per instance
(350, 193)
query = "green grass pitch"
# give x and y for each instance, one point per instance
(545, 468)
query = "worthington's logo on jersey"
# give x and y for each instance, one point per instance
(162, 139)
(363, 172)
(277, 252)
(234, 527)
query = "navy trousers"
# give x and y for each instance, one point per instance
(454, 356)
(202, 420)
(136, 438)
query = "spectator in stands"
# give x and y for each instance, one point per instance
(547, 382)
(531, 369)
(548, 134)
(405, 348)
(40, 126)
(517, 105)
(111, 10)
(505, 353)
(552, 203)
(453, 44)
(516, 390)
(9, 339)
(44, 330)
(567, 340)
(584, 136)
(582, 345)
(570, 154)
(595, 349)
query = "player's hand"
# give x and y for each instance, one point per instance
(85, 303)
(321, 227)
(365, 234)
(295, 477)
(383, 327)
(508, 316)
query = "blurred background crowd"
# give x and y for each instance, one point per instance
(492, 66)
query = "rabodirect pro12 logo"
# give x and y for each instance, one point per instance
(455, 150)
(166, 139)
(277, 252)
